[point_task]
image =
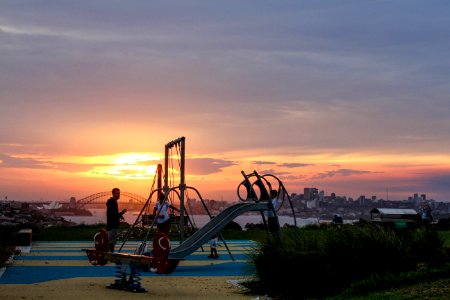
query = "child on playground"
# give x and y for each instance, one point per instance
(213, 246)
(427, 217)
(161, 212)
(271, 216)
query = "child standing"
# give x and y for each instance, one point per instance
(161, 213)
(427, 217)
(213, 246)
(271, 215)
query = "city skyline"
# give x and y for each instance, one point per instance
(350, 96)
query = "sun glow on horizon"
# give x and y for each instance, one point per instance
(124, 171)
(127, 166)
(218, 174)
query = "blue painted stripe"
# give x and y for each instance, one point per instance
(29, 275)
(223, 256)
(44, 243)
(35, 274)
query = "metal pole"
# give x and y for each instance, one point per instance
(182, 188)
(159, 171)
(166, 168)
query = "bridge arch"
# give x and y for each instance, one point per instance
(102, 197)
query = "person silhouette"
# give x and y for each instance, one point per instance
(113, 217)
(426, 216)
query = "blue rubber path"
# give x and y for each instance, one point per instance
(23, 274)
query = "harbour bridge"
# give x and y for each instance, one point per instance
(101, 198)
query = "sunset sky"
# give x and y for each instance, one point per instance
(351, 97)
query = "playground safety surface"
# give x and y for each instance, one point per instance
(52, 270)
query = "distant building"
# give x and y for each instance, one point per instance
(321, 195)
(395, 217)
(310, 193)
(362, 200)
(311, 204)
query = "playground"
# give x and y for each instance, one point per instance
(147, 261)
(57, 270)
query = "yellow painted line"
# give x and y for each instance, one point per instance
(174, 243)
(62, 246)
(51, 263)
(130, 246)
(131, 249)
(81, 253)
(220, 252)
(74, 248)
(205, 262)
(86, 263)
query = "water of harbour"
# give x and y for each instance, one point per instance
(99, 216)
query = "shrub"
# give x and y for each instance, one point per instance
(233, 226)
(359, 251)
(252, 226)
(328, 260)
(298, 251)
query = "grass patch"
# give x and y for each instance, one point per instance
(52, 233)
(67, 233)
(427, 281)
(86, 233)
(5, 252)
(446, 238)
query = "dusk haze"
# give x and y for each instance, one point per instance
(349, 97)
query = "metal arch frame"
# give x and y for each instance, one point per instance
(285, 192)
(179, 191)
(249, 186)
(91, 198)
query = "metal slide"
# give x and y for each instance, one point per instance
(213, 227)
